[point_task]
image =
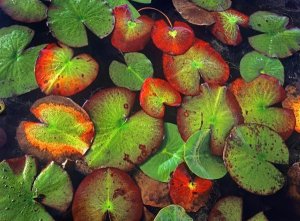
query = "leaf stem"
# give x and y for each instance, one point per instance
(159, 11)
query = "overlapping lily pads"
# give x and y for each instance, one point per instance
(172, 213)
(116, 3)
(213, 5)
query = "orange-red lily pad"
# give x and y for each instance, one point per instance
(64, 131)
(155, 93)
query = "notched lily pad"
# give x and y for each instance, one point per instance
(64, 131)
(213, 5)
(107, 192)
(172, 213)
(58, 72)
(250, 151)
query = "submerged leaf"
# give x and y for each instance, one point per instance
(213, 5)
(172, 213)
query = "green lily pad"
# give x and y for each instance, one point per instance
(67, 20)
(213, 5)
(16, 63)
(259, 217)
(121, 140)
(133, 73)
(249, 155)
(116, 3)
(172, 213)
(254, 64)
(277, 40)
(199, 159)
(23, 196)
(143, 1)
(24, 10)
(167, 158)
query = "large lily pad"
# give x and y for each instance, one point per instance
(172, 213)
(107, 192)
(184, 71)
(64, 131)
(216, 109)
(23, 195)
(167, 158)
(67, 20)
(249, 155)
(121, 140)
(213, 5)
(16, 63)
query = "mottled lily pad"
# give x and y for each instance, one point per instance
(133, 73)
(107, 192)
(249, 155)
(58, 72)
(121, 140)
(216, 109)
(167, 158)
(64, 131)
(172, 213)
(68, 20)
(156, 93)
(184, 71)
(16, 63)
(213, 5)
(23, 196)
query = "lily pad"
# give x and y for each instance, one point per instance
(229, 208)
(184, 71)
(130, 34)
(199, 159)
(133, 73)
(188, 192)
(156, 93)
(249, 155)
(64, 131)
(167, 158)
(58, 72)
(121, 140)
(172, 213)
(216, 109)
(16, 63)
(174, 40)
(254, 64)
(24, 10)
(116, 3)
(257, 99)
(107, 192)
(68, 20)
(259, 217)
(277, 40)
(23, 195)
(213, 5)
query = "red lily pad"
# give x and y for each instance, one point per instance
(155, 93)
(107, 192)
(64, 130)
(184, 71)
(188, 192)
(257, 99)
(174, 40)
(57, 72)
(130, 34)
(226, 28)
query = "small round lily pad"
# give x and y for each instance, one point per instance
(249, 155)
(172, 213)
(133, 73)
(107, 192)
(213, 5)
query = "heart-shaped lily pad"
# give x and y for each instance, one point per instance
(68, 20)
(277, 40)
(24, 10)
(132, 74)
(213, 5)
(130, 34)
(172, 213)
(156, 93)
(121, 140)
(198, 157)
(257, 98)
(228, 208)
(226, 28)
(254, 64)
(249, 155)
(16, 63)
(174, 40)
(116, 3)
(57, 72)
(167, 158)
(216, 109)
(107, 192)
(183, 71)
(188, 192)
(23, 196)
(64, 130)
